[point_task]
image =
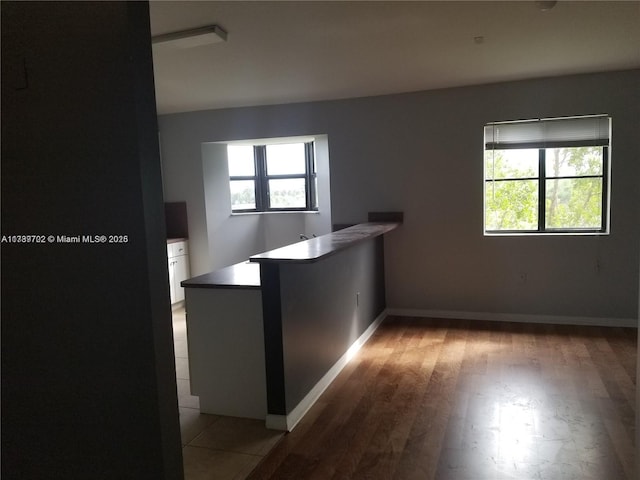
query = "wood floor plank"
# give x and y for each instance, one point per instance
(391, 397)
(445, 399)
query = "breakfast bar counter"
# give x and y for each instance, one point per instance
(268, 335)
(243, 275)
(316, 248)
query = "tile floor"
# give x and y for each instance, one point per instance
(214, 447)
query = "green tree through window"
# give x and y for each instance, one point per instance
(272, 177)
(546, 187)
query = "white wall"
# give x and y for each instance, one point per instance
(421, 153)
(321, 224)
(230, 239)
(200, 176)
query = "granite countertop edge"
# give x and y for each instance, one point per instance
(314, 249)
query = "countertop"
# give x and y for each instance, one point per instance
(312, 250)
(246, 275)
(243, 275)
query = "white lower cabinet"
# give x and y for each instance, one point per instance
(178, 262)
(225, 339)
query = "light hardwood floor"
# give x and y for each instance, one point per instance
(446, 399)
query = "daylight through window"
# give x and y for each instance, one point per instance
(272, 177)
(547, 176)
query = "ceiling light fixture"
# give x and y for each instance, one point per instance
(195, 37)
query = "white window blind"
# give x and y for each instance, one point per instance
(557, 132)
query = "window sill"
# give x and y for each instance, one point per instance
(546, 234)
(282, 212)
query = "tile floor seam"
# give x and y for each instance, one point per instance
(224, 451)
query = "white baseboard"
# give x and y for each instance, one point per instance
(178, 305)
(516, 317)
(288, 422)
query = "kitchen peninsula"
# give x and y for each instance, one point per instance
(267, 336)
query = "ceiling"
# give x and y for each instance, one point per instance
(296, 51)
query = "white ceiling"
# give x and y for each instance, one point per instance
(294, 51)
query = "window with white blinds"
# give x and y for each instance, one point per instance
(547, 176)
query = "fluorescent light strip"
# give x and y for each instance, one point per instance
(195, 37)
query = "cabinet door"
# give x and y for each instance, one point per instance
(180, 273)
(172, 282)
(180, 248)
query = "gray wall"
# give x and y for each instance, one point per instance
(421, 153)
(321, 316)
(313, 313)
(88, 374)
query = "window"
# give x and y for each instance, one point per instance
(272, 177)
(547, 176)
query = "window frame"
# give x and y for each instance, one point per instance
(261, 180)
(542, 179)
